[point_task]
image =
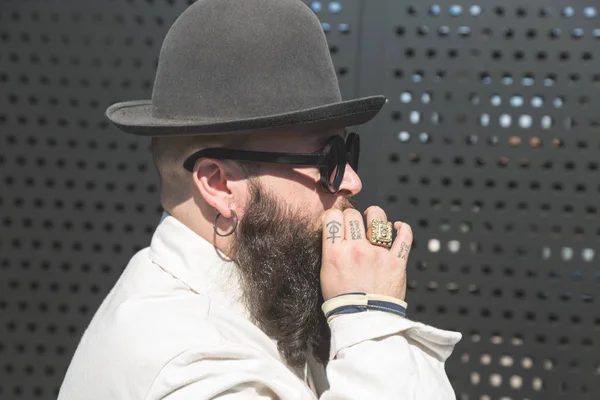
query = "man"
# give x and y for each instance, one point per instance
(261, 281)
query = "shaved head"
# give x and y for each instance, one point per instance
(169, 153)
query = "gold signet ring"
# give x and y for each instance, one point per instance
(380, 233)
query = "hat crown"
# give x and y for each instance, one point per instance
(237, 59)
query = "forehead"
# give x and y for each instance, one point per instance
(326, 134)
(289, 141)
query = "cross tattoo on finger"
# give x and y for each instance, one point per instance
(334, 229)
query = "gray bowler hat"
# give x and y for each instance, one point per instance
(242, 65)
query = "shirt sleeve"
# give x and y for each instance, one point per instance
(374, 355)
(381, 356)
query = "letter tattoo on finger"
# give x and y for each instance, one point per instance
(404, 249)
(355, 230)
(334, 229)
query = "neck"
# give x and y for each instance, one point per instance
(200, 221)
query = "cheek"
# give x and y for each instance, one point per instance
(305, 195)
(291, 183)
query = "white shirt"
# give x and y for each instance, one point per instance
(174, 327)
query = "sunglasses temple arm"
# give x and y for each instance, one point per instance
(257, 156)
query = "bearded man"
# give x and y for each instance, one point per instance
(262, 280)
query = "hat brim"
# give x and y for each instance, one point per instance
(136, 117)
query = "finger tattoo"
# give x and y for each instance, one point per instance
(334, 229)
(404, 249)
(355, 230)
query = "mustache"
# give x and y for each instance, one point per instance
(342, 205)
(346, 204)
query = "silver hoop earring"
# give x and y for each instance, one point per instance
(235, 224)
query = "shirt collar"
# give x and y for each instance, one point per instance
(195, 262)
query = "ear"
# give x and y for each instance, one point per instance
(219, 185)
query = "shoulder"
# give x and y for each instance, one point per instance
(148, 316)
(191, 351)
(130, 340)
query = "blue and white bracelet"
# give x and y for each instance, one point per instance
(351, 303)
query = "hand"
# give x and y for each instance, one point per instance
(352, 264)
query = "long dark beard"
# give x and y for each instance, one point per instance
(279, 256)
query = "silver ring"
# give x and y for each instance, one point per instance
(235, 224)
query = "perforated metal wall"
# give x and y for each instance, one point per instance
(78, 198)
(487, 147)
(490, 149)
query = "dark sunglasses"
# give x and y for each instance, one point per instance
(331, 160)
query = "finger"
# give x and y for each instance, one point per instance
(403, 242)
(333, 228)
(354, 225)
(375, 212)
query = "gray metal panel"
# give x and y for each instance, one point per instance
(77, 197)
(501, 195)
(515, 217)
(341, 21)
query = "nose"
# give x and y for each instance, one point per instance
(351, 184)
